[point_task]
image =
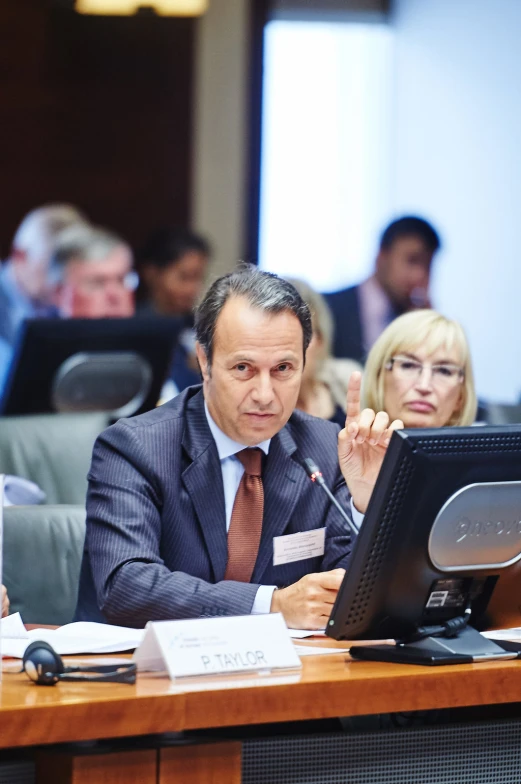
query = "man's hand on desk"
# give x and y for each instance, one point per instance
(307, 604)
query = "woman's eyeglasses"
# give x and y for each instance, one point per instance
(443, 374)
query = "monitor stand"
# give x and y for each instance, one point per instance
(468, 646)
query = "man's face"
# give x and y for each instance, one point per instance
(252, 386)
(404, 270)
(97, 289)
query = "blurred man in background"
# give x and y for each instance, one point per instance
(91, 274)
(399, 283)
(24, 282)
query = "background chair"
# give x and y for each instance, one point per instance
(502, 413)
(53, 450)
(43, 547)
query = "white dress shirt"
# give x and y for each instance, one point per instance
(232, 470)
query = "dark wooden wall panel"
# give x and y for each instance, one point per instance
(96, 111)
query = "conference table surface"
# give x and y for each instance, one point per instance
(326, 686)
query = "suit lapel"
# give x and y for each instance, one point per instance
(283, 481)
(203, 482)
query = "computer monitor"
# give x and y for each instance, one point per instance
(116, 365)
(442, 525)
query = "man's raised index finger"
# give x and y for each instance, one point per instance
(353, 396)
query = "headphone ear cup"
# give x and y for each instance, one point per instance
(42, 664)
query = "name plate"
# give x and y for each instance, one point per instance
(209, 646)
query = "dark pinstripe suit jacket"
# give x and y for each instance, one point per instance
(348, 337)
(156, 544)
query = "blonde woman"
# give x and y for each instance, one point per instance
(419, 370)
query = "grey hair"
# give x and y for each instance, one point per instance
(43, 224)
(82, 242)
(262, 290)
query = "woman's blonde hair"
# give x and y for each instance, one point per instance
(320, 313)
(431, 331)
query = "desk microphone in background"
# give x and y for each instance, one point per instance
(315, 474)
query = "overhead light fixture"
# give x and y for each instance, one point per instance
(130, 7)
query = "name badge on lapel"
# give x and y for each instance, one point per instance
(298, 547)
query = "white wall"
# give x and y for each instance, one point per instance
(457, 143)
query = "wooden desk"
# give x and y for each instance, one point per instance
(327, 686)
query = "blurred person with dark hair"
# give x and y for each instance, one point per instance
(400, 283)
(172, 267)
(91, 274)
(24, 283)
(323, 390)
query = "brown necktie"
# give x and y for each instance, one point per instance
(246, 524)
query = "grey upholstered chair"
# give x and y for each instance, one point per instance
(43, 547)
(502, 413)
(53, 450)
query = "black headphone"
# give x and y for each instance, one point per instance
(43, 666)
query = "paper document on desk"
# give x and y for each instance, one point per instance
(504, 634)
(314, 650)
(300, 634)
(80, 637)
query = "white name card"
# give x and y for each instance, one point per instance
(208, 646)
(297, 547)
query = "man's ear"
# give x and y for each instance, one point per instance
(203, 361)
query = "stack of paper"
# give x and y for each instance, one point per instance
(81, 637)
(504, 634)
(300, 634)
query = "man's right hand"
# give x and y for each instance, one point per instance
(307, 604)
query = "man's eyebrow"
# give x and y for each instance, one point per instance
(241, 358)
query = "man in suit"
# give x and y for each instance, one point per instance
(399, 283)
(24, 283)
(163, 486)
(91, 275)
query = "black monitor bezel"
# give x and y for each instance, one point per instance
(376, 566)
(43, 345)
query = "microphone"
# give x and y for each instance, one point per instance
(315, 474)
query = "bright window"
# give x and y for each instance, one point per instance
(326, 144)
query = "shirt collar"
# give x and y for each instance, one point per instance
(373, 291)
(226, 446)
